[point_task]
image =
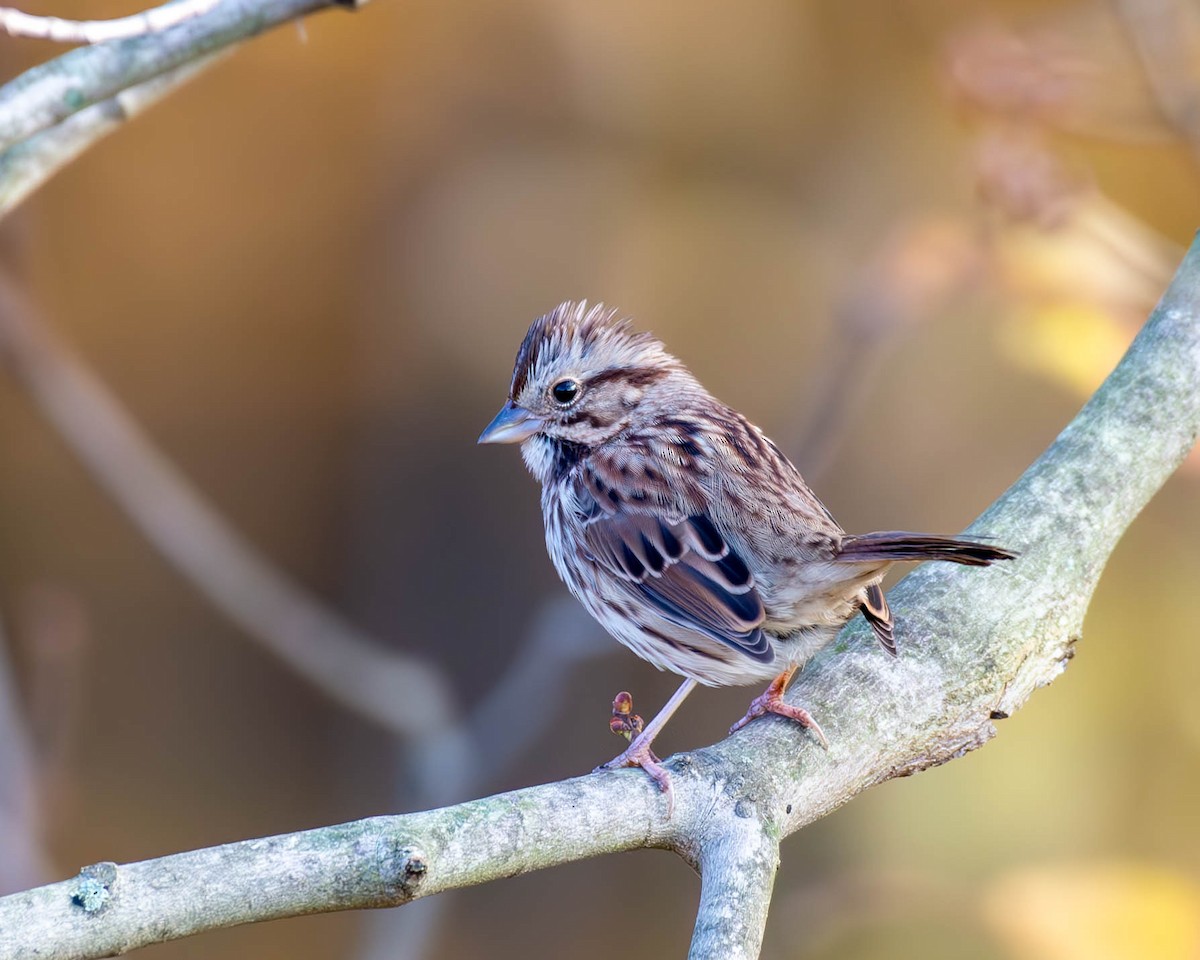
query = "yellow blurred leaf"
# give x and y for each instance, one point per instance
(1096, 911)
(1073, 343)
(1101, 254)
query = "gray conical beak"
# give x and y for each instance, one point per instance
(511, 425)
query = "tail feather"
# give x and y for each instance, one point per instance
(901, 545)
(877, 613)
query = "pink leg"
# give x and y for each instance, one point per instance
(639, 754)
(771, 701)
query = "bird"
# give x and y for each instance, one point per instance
(681, 527)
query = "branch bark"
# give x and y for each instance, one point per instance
(25, 166)
(48, 94)
(975, 644)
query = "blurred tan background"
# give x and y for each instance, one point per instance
(906, 238)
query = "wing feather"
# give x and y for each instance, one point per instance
(683, 568)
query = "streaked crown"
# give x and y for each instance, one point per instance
(576, 336)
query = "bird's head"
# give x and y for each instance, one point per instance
(582, 377)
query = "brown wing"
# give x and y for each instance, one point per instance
(677, 562)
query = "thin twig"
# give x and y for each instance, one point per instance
(18, 24)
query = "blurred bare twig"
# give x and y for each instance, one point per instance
(52, 629)
(466, 758)
(22, 861)
(394, 689)
(1163, 35)
(18, 24)
(446, 758)
(917, 270)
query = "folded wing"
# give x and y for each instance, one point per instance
(680, 565)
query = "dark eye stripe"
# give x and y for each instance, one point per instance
(587, 417)
(633, 376)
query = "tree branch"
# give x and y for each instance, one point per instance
(975, 644)
(379, 862)
(48, 94)
(25, 166)
(737, 869)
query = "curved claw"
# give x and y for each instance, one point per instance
(771, 701)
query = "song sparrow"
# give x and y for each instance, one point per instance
(680, 527)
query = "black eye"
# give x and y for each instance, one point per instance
(565, 391)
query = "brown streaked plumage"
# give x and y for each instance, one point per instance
(680, 526)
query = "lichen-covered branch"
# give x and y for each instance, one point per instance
(48, 94)
(25, 166)
(384, 861)
(738, 853)
(975, 644)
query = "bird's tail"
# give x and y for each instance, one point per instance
(901, 545)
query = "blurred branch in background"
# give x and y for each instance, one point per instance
(920, 269)
(1052, 222)
(395, 690)
(23, 861)
(1075, 271)
(447, 759)
(519, 708)
(1164, 35)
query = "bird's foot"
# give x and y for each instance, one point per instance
(627, 724)
(639, 754)
(771, 701)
